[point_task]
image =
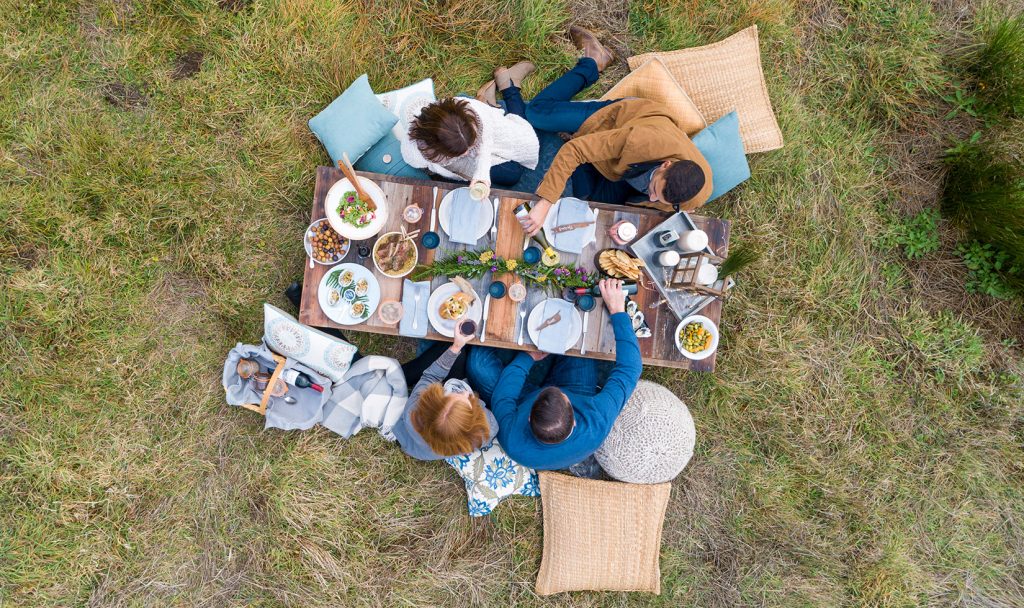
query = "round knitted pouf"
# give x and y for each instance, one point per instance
(651, 440)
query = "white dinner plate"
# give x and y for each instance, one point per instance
(484, 219)
(537, 317)
(341, 313)
(446, 327)
(590, 232)
(333, 199)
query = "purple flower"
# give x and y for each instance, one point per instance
(462, 259)
(494, 268)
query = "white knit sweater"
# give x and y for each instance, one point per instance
(503, 137)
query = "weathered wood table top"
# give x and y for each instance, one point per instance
(503, 320)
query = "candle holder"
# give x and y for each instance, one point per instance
(685, 275)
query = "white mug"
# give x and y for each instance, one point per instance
(693, 240)
(668, 258)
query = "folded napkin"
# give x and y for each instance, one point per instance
(571, 211)
(411, 310)
(464, 217)
(555, 338)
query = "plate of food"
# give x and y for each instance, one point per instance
(568, 313)
(324, 245)
(448, 305)
(697, 337)
(618, 264)
(395, 255)
(483, 221)
(352, 217)
(349, 294)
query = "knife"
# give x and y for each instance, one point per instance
(583, 340)
(483, 322)
(568, 227)
(433, 212)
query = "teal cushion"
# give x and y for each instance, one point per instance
(386, 157)
(353, 122)
(722, 147)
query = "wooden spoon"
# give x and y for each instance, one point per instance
(350, 172)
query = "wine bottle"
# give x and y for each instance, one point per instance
(522, 211)
(627, 286)
(300, 380)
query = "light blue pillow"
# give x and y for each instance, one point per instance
(386, 157)
(722, 147)
(353, 122)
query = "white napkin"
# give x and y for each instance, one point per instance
(464, 217)
(411, 310)
(571, 211)
(555, 338)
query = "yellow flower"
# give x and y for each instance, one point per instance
(511, 265)
(541, 278)
(549, 252)
(486, 256)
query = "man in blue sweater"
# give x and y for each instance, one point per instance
(564, 420)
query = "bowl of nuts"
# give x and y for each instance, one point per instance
(697, 337)
(324, 245)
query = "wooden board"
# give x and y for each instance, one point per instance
(503, 320)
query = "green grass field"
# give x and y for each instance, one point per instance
(860, 443)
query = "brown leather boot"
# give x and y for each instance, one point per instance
(586, 41)
(506, 77)
(486, 94)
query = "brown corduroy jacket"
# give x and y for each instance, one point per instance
(622, 134)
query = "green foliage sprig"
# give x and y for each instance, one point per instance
(475, 264)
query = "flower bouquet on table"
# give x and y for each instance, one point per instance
(475, 264)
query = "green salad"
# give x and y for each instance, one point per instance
(355, 211)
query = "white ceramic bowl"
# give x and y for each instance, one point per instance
(349, 231)
(338, 256)
(415, 257)
(708, 325)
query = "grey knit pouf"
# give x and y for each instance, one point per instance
(651, 440)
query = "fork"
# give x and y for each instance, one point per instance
(494, 224)
(522, 323)
(415, 309)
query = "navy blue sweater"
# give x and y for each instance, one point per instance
(595, 414)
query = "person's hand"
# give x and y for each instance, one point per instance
(461, 339)
(533, 222)
(536, 355)
(614, 297)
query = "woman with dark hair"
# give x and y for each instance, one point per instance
(471, 140)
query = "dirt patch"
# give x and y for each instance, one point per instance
(124, 96)
(187, 65)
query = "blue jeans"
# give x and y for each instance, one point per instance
(552, 108)
(509, 172)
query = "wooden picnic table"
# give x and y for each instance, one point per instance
(503, 320)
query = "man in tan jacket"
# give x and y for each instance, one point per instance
(622, 151)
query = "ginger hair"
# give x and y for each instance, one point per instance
(447, 425)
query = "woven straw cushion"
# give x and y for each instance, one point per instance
(653, 81)
(651, 440)
(723, 77)
(600, 535)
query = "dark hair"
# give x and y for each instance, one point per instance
(683, 180)
(551, 417)
(444, 129)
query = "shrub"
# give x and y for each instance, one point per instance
(997, 64)
(987, 270)
(984, 193)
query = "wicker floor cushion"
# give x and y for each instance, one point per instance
(653, 81)
(723, 77)
(600, 535)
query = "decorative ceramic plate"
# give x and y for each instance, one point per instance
(590, 232)
(347, 281)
